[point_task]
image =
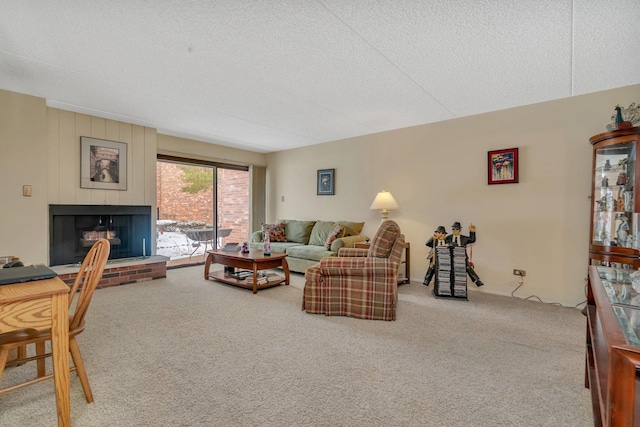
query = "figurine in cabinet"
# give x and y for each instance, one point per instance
(604, 226)
(622, 233)
(599, 231)
(620, 201)
(622, 178)
(627, 196)
(606, 203)
(605, 181)
(611, 204)
(607, 165)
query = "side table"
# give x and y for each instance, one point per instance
(406, 261)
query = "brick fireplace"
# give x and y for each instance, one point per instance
(74, 228)
(122, 272)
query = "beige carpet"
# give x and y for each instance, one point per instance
(183, 351)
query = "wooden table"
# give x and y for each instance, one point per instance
(406, 262)
(43, 304)
(254, 260)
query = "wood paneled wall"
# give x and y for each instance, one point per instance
(64, 129)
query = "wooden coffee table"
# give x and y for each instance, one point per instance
(255, 260)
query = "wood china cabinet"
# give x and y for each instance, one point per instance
(615, 207)
(613, 305)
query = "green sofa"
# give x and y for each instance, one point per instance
(306, 239)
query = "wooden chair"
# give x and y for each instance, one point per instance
(86, 281)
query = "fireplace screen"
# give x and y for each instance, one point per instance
(75, 228)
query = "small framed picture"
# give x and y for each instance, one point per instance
(326, 182)
(503, 166)
(103, 164)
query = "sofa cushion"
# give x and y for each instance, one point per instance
(275, 246)
(311, 252)
(320, 232)
(338, 231)
(275, 232)
(282, 246)
(298, 231)
(351, 228)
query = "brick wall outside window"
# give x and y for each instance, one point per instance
(183, 207)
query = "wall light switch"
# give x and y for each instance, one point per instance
(26, 190)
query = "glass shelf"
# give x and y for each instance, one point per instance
(625, 301)
(621, 293)
(629, 320)
(615, 274)
(612, 168)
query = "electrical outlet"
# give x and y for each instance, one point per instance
(520, 273)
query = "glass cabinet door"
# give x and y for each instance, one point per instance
(625, 301)
(614, 222)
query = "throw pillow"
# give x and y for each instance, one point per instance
(275, 232)
(337, 232)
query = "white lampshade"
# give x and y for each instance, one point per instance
(385, 202)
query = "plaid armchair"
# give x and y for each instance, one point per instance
(360, 283)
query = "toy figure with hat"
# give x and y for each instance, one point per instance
(457, 239)
(438, 239)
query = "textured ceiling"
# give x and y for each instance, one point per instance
(277, 74)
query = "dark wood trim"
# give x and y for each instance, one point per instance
(189, 161)
(614, 134)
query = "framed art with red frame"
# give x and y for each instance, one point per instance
(502, 167)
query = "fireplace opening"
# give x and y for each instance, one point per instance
(74, 228)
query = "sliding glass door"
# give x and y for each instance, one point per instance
(200, 207)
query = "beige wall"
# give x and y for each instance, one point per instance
(180, 147)
(23, 161)
(438, 175)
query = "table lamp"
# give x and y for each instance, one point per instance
(385, 202)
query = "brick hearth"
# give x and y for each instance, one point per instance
(122, 272)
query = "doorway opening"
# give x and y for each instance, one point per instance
(201, 206)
